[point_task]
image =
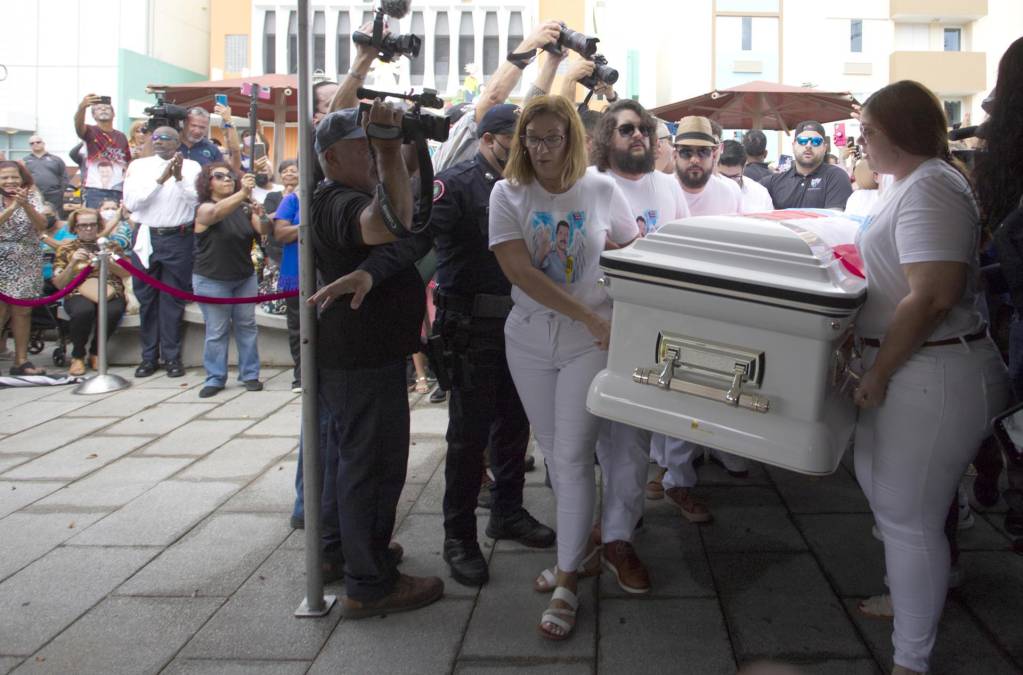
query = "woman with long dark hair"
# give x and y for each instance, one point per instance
(933, 378)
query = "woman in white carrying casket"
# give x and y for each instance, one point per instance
(558, 331)
(934, 379)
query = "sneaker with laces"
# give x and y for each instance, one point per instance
(621, 560)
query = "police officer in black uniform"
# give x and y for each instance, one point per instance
(467, 345)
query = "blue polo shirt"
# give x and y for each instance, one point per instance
(205, 152)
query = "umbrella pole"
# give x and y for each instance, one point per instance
(315, 603)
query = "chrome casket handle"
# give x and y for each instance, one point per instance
(733, 396)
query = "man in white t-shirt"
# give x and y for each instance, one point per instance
(625, 147)
(696, 148)
(731, 165)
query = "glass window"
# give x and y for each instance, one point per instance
(344, 43)
(293, 42)
(515, 29)
(954, 112)
(270, 42)
(856, 35)
(236, 53)
(319, 41)
(953, 39)
(441, 52)
(466, 45)
(747, 33)
(491, 45)
(417, 66)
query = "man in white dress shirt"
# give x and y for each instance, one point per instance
(731, 164)
(160, 192)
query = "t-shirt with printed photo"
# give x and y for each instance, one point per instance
(655, 199)
(107, 156)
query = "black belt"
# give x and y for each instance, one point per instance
(972, 337)
(184, 228)
(480, 306)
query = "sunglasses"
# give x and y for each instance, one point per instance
(815, 141)
(222, 176)
(550, 142)
(163, 137)
(627, 129)
(687, 151)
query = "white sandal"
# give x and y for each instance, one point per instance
(877, 607)
(553, 615)
(548, 579)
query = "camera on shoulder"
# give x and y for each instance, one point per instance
(164, 115)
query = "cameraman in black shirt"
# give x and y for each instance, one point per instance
(362, 349)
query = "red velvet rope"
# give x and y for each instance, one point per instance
(191, 297)
(50, 299)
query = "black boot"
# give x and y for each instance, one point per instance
(468, 566)
(521, 527)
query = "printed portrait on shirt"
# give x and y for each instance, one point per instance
(106, 159)
(558, 244)
(646, 222)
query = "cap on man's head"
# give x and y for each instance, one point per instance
(694, 130)
(501, 119)
(340, 125)
(810, 125)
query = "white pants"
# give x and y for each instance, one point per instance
(910, 453)
(677, 457)
(624, 452)
(553, 360)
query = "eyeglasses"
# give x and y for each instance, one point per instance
(815, 141)
(550, 142)
(81, 225)
(627, 129)
(222, 176)
(736, 177)
(687, 151)
(163, 137)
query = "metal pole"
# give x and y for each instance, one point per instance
(315, 603)
(102, 383)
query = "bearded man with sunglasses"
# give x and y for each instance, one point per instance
(473, 300)
(811, 183)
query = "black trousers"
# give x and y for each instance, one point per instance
(294, 340)
(83, 313)
(370, 414)
(160, 314)
(487, 415)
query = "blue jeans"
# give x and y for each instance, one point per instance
(219, 320)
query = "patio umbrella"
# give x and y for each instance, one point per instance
(281, 108)
(762, 105)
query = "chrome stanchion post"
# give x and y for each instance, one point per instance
(102, 382)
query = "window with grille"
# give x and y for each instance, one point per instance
(491, 44)
(236, 53)
(417, 66)
(270, 42)
(515, 33)
(747, 33)
(856, 35)
(466, 45)
(441, 51)
(293, 42)
(319, 41)
(344, 43)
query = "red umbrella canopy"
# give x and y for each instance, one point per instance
(763, 105)
(283, 90)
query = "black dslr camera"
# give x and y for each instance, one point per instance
(586, 47)
(413, 123)
(390, 46)
(165, 115)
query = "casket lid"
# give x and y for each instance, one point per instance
(786, 256)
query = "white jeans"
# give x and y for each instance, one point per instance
(910, 453)
(677, 457)
(553, 360)
(624, 452)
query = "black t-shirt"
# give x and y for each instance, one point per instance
(48, 172)
(756, 171)
(826, 188)
(386, 326)
(223, 251)
(461, 230)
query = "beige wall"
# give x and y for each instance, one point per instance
(180, 31)
(930, 9)
(228, 17)
(946, 73)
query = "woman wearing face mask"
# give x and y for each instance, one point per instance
(114, 227)
(227, 224)
(934, 379)
(549, 221)
(21, 259)
(82, 304)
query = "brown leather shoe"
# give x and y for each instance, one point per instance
(77, 368)
(693, 509)
(408, 594)
(621, 559)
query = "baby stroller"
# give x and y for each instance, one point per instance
(47, 324)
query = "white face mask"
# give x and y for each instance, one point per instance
(108, 214)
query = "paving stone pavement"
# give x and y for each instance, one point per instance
(147, 531)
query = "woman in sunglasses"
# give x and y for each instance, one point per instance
(933, 379)
(227, 225)
(549, 221)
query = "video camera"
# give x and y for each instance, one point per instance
(165, 115)
(586, 47)
(414, 123)
(390, 46)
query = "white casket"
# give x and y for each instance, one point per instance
(731, 332)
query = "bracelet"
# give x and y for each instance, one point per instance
(357, 76)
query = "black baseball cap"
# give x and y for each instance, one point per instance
(340, 125)
(812, 126)
(501, 119)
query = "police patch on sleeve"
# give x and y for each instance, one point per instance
(438, 190)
